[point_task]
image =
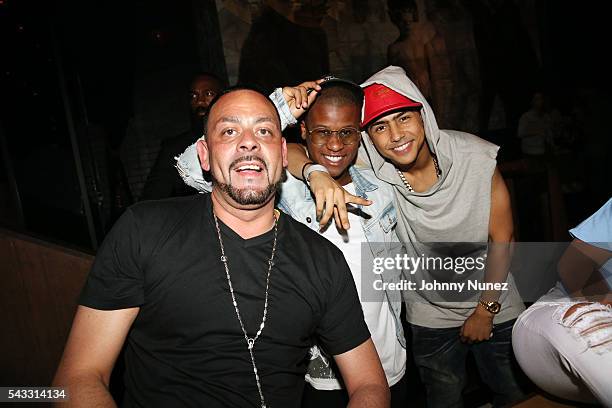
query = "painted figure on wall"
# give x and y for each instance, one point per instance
(453, 66)
(409, 51)
(285, 44)
(436, 48)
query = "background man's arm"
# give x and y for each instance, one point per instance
(297, 159)
(478, 326)
(579, 271)
(95, 340)
(364, 377)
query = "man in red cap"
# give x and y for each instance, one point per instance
(452, 203)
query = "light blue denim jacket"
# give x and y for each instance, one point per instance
(378, 221)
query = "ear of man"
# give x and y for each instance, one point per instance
(203, 154)
(285, 155)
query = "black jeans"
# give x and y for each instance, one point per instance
(440, 357)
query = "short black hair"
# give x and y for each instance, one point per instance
(228, 91)
(339, 93)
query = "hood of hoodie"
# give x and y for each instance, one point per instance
(396, 79)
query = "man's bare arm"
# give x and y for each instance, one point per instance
(578, 269)
(478, 326)
(297, 159)
(95, 340)
(501, 235)
(364, 377)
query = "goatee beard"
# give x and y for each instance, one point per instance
(248, 196)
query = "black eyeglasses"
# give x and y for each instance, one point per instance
(321, 136)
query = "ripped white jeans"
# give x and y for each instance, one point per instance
(567, 356)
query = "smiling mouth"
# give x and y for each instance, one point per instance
(333, 159)
(248, 164)
(249, 167)
(403, 147)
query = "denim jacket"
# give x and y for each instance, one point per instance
(378, 223)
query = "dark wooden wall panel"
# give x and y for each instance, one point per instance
(38, 294)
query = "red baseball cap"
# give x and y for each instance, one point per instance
(379, 100)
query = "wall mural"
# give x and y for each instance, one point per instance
(272, 42)
(448, 47)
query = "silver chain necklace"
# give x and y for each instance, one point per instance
(407, 184)
(250, 340)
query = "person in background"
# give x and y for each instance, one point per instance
(535, 128)
(163, 181)
(563, 342)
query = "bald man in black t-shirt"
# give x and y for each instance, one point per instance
(216, 297)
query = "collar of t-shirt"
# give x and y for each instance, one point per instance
(227, 232)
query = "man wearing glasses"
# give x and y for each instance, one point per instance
(331, 132)
(451, 202)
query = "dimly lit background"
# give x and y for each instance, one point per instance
(90, 88)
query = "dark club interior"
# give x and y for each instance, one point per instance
(97, 98)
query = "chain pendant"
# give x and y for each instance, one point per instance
(407, 184)
(250, 340)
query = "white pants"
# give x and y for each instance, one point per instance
(569, 357)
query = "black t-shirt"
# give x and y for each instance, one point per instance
(186, 347)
